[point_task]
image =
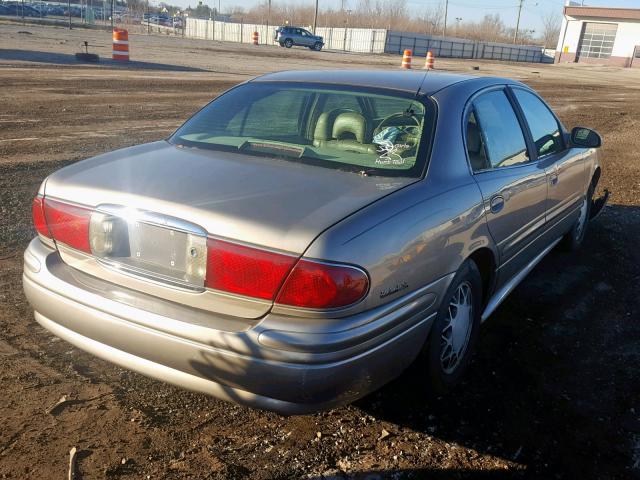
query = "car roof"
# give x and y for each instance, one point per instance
(408, 81)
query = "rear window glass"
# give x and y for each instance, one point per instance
(378, 134)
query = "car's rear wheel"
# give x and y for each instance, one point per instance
(288, 43)
(574, 238)
(455, 330)
(317, 46)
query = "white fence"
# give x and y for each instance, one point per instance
(368, 40)
(364, 40)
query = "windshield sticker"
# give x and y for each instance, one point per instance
(390, 153)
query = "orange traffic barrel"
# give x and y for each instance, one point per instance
(120, 45)
(254, 38)
(406, 59)
(428, 65)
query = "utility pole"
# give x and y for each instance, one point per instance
(515, 35)
(315, 16)
(69, 9)
(269, 21)
(446, 10)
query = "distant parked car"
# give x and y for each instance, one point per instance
(20, 10)
(55, 10)
(306, 236)
(290, 36)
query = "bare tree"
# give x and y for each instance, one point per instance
(551, 23)
(433, 19)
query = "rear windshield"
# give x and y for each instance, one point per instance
(347, 129)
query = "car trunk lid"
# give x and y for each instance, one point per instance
(274, 204)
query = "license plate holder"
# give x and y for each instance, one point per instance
(157, 247)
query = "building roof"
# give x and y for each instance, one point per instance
(408, 81)
(601, 12)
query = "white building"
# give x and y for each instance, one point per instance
(600, 36)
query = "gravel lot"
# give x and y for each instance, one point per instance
(552, 393)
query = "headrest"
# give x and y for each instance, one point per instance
(350, 124)
(325, 123)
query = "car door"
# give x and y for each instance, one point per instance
(513, 187)
(565, 166)
(297, 36)
(306, 38)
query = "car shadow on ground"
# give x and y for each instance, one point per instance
(68, 59)
(555, 381)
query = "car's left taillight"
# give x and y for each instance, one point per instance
(63, 222)
(39, 220)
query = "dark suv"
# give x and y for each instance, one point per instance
(290, 36)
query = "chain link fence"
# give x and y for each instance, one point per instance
(90, 14)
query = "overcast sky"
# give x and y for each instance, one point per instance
(468, 10)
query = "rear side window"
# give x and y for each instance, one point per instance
(500, 135)
(544, 127)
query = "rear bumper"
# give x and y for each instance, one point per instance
(265, 365)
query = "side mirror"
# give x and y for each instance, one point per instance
(585, 137)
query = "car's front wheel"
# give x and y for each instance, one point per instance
(288, 43)
(317, 46)
(455, 330)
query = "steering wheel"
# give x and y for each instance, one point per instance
(383, 123)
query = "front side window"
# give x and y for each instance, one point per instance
(332, 127)
(544, 127)
(494, 135)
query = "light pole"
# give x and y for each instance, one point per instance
(458, 20)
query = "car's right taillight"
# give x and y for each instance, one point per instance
(245, 270)
(268, 275)
(319, 285)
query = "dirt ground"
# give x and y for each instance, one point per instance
(553, 391)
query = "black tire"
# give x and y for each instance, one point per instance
(441, 380)
(574, 238)
(317, 46)
(288, 43)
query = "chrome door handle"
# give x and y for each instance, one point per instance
(496, 203)
(553, 178)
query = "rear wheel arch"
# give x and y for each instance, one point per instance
(485, 260)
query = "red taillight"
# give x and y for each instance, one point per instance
(321, 285)
(245, 270)
(68, 224)
(37, 212)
